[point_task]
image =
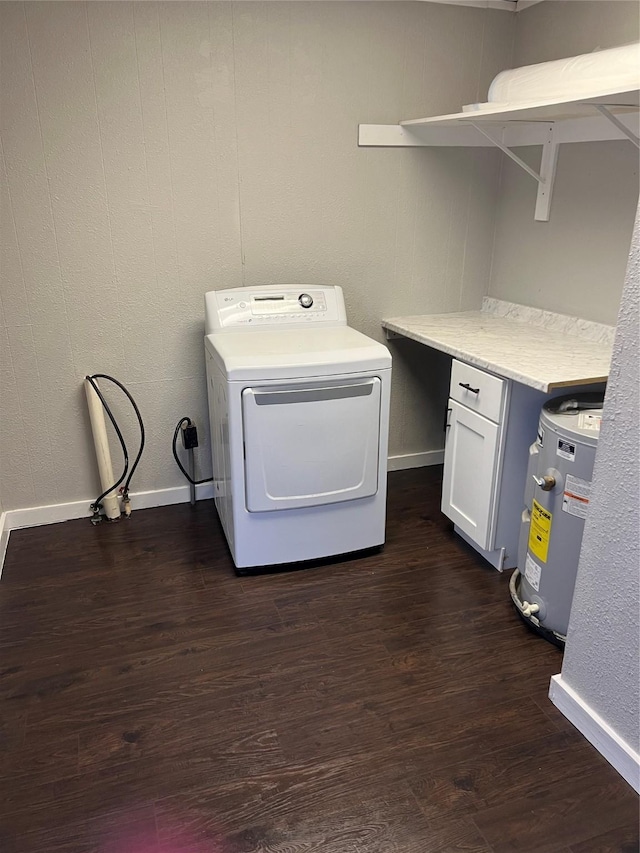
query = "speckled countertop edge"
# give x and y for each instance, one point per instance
(567, 354)
(565, 323)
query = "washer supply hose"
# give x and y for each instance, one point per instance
(97, 505)
(187, 422)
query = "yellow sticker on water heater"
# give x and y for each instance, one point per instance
(540, 531)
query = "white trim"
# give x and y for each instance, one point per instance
(463, 134)
(504, 5)
(166, 497)
(521, 5)
(34, 516)
(415, 460)
(4, 538)
(597, 731)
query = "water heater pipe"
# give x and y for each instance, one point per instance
(103, 455)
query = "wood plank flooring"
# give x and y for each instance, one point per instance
(152, 702)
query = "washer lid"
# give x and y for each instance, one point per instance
(292, 354)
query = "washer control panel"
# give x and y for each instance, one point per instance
(273, 305)
(287, 304)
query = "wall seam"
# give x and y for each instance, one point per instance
(144, 150)
(106, 189)
(169, 155)
(480, 60)
(15, 234)
(235, 112)
(22, 416)
(44, 408)
(471, 180)
(59, 264)
(50, 203)
(498, 202)
(398, 159)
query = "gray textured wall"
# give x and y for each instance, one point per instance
(575, 263)
(558, 28)
(601, 658)
(154, 151)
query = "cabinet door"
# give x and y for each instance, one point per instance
(470, 464)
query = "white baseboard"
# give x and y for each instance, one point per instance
(4, 538)
(34, 516)
(609, 744)
(415, 460)
(166, 497)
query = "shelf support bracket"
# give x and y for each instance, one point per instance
(547, 169)
(620, 125)
(548, 164)
(508, 152)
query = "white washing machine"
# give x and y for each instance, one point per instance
(299, 415)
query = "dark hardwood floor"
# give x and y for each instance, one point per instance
(152, 701)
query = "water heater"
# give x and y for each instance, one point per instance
(557, 497)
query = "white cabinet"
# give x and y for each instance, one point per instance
(478, 390)
(491, 422)
(470, 465)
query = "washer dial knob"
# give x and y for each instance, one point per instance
(306, 300)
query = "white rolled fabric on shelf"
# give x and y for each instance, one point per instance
(613, 69)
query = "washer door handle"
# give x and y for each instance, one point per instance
(312, 395)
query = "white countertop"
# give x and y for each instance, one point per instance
(525, 350)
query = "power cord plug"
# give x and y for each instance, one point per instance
(189, 436)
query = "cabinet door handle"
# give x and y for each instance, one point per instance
(468, 387)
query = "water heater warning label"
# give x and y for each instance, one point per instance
(590, 421)
(575, 499)
(532, 572)
(566, 450)
(540, 531)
